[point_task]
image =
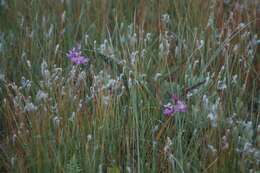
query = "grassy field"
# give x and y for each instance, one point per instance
(164, 86)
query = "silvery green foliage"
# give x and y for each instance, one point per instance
(246, 141)
(30, 107)
(213, 109)
(50, 76)
(25, 83)
(164, 46)
(2, 77)
(45, 73)
(165, 18)
(106, 49)
(41, 96)
(103, 82)
(212, 149)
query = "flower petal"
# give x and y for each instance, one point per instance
(168, 109)
(180, 106)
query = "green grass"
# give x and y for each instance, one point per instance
(107, 115)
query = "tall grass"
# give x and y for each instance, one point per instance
(106, 115)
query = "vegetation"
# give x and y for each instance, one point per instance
(108, 110)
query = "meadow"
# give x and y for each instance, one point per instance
(130, 86)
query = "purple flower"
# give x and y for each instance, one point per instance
(79, 60)
(168, 109)
(75, 56)
(176, 106)
(180, 106)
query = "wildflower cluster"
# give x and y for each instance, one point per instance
(76, 57)
(175, 106)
